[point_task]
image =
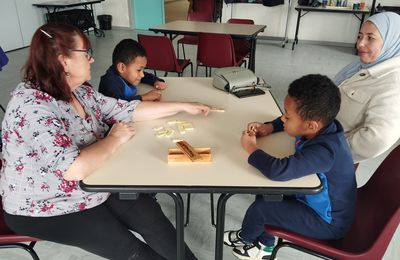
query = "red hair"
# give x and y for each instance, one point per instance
(43, 70)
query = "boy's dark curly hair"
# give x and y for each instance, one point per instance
(317, 98)
(126, 51)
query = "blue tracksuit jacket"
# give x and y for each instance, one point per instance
(113, 85)
(329, 156)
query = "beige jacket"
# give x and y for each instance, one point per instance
(370, 109)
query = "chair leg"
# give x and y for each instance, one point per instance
(197, 68)
(212, 210)
(187, 209)
(2, 108)
(155, 73)
(166, 73)
(276, 248)
(28, 248)
(191, 70)
(183, 50)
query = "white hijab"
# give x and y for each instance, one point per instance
(388, 24)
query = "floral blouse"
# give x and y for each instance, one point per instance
(41, 138)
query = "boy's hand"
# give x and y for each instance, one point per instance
(160, 85)
(260, 129)
(248, 141)
(153, 95)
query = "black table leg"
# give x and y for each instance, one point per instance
(362, 19)
(219, 237)
(252, 58)
(296, 40)
(179, 215)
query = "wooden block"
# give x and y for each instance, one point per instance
(187, 149)
(215, 109)
(175, 155)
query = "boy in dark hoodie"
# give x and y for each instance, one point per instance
(311, 106)
(127, 71)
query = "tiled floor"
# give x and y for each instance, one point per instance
(279, 66)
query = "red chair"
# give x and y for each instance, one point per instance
(9, 239)
(242, 46)
(216, 50)
(192, 39)
(205, 6)
(377, 217)
(161, 55)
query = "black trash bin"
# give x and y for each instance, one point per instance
(105, 21)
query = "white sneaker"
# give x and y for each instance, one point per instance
(233, 239)
(254, 251)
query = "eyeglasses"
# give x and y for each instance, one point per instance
(88, 52)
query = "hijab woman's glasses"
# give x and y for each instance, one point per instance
(88, 53)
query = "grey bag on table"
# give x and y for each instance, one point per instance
(231, 79)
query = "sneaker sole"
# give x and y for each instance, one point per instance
(250, 258)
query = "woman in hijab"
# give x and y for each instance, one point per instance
(370, 88)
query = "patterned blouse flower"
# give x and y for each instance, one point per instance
(41, 138)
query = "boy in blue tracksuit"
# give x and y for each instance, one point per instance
(127, 70)
(310, 110)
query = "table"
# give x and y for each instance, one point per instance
(228, 173)
(327, 9)
(245, 31)
(61, 4)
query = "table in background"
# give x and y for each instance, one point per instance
(245, 31)
(84, 24)
(307, 9)
(141, 164)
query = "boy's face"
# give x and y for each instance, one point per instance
(134, 71)
(294, 125)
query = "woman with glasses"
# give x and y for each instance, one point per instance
(55, 133)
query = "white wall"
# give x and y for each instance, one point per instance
(315, 26)
(120, 11)
(19, 20)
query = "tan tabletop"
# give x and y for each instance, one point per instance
(247, 31)
(143, 160)
(193, 27)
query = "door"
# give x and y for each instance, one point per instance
(147, 13)
(10, 32)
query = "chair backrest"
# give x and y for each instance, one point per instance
(377, 211)
(199, 16)
(241, 21)
(242, 46)
(160, 52)
(4, 230)
(205, 6)
(215, 50)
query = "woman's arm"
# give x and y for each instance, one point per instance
(379, 129)
(92, 157)
(153, 110)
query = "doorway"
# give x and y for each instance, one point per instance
(175, 10)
